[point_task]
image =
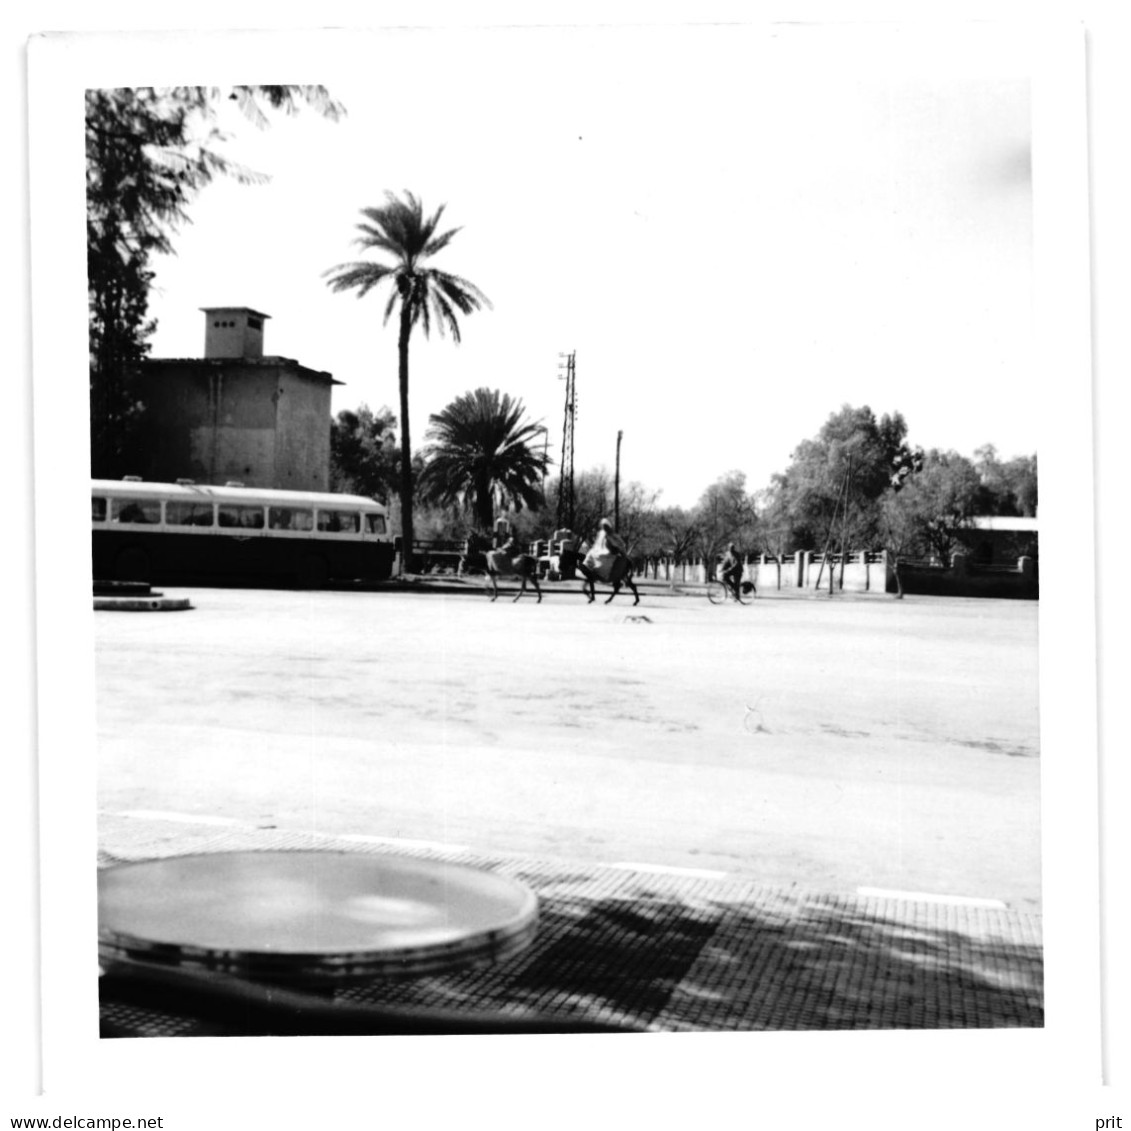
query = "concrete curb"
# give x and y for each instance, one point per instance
(567, 589)
(141, 604)
(694, 590)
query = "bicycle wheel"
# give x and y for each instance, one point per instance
(745, 593)
(716, 592)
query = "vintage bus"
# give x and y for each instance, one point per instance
(185, 533)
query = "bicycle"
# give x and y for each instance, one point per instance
(719, 592)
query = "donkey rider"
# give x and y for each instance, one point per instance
(607, 560)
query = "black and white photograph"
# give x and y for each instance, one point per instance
(564, 568)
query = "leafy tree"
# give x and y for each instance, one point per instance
(531, 525)
(594, 499)
(726, 513)
(676, 532)
(593, 491)
(482, 457)
(636, 521)
(1021, 474)
(831, 490)
(364, 456)
(898, 459)
(149, 151)
(435, 523)
(775, 526)
(1007, 488)
(925, 514)
(400, 229)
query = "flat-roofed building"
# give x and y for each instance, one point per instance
(1001, 539)
(236, 414)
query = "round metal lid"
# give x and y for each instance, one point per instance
(296, 916)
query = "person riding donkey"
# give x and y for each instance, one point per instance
(509, 560)
(608, 561)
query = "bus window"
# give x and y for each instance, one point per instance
(139, 511)
(339, 522)
(375, 523)
(290, 518)
(243, 518)
(188, 514)
(97, 509)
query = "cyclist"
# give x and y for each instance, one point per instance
(730, 569)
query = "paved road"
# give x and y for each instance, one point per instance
(836, 744)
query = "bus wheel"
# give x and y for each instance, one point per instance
(132, 564)
(313, 573)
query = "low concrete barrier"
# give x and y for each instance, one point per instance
(141, 604)
(134, 597)
(963, 578)
(871, 571)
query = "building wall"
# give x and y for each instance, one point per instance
(265, 423)
(236, 441)
(302, 436)
(998, 547)
(965, 578)
(175, 407)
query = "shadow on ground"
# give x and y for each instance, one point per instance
(615, 949)
(669, 965)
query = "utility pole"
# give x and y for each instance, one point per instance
(565, 483)
(616, 487)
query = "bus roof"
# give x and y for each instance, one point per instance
(141, 489)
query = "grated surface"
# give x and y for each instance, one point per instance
(678, 953)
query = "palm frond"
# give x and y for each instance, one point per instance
(373, 238)
(427, 226)
(439, 242)
(359, 275)
(285, 98)
(481, 450)
(445, 316)
(400, 230)
(390, 306)
(465, 294)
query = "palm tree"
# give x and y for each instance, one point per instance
(481, 456)
(401, 230)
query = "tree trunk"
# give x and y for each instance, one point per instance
(484, 504)
(406, 446)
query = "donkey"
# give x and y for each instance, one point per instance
(620, 574)
(504, 562)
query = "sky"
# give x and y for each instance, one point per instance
(737, 230)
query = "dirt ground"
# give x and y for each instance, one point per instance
(833, 743)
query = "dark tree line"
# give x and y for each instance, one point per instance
(857, 484)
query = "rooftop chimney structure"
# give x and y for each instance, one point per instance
(233, 332)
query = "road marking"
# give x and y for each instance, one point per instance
(628, 866)
(704, 873)
(929, 897)
(229, 822)
(435, 846)
(182, 818)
